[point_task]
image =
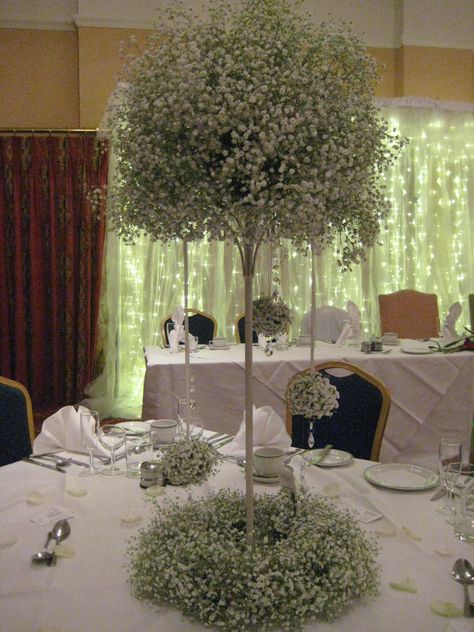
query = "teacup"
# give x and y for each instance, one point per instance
(218, 342)
(268, 461)
(163, 431)
(390, 338)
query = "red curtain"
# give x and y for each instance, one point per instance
(51, 248)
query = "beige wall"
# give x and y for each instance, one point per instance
(64, 78)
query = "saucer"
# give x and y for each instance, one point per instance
(223, 348)
(268, 480)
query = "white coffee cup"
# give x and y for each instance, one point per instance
(163, 431)
(390, 338)
(218, 342)
(268, 461)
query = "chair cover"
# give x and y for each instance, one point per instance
(328, 323)
(410, 314)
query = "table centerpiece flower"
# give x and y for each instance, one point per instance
(189, 461)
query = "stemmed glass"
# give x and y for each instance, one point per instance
(112, 438)
(449, 451)
(89, 436)
(186, 412)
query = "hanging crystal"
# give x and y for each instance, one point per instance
(310, 434)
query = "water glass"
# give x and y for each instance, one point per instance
(111, 438)
(449, 451)
(461, 477)
(138, 448)
(190, 425)
(89, 421)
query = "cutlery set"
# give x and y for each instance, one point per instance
(59, 532)
(54, 462)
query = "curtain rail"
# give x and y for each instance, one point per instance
(46, 130)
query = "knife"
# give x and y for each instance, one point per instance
(219, 436)
(439, 494)
(27, 459)
(322, 455)
(50, 457)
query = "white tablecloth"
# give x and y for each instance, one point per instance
(90, 591)
(432, 395)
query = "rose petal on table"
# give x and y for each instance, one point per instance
(445, 609)
(446, 552)
(65, 550)
(131, 519)
(76, 491)
(155, 490)
(386, 530)
(406, 585)
(35, 498)
(7, 539)
(411, 534)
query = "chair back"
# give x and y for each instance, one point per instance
(410, 314)
(328, 323)
(16, 421)
(201, 325)
(239, 329)
(357, 426)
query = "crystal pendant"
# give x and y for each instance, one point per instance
(310, 435)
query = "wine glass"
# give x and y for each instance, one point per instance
(111, 437)
(449, 451)
(186, 413)
(89, 421)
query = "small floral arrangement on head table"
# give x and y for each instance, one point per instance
(461, 344)
(312, 395)
(271, 315)
(189, 462)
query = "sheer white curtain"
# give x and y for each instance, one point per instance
(428, 246)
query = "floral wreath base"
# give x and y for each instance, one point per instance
(309, 560)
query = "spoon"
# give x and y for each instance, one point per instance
(59, 532)
(463, 572)
(58, 460)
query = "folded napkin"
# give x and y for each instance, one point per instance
(351, 329)
(268, 431)
(448, 330)
(63, 431)
(176, 335)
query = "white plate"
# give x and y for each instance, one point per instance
(211, 348)
(416, 350)
(134, 427)
(268, 480)
(401, 476)
(333, 459)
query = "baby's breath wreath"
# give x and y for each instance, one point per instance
(303, 565)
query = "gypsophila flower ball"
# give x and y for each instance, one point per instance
(189, 462)
(309, 560)
(312, 395)
(271, 316)
(251, 124)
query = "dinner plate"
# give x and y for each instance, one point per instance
(401, 476)
(414, 350)
(334, 458)
(134, 427)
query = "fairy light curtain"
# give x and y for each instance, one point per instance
(428, 246)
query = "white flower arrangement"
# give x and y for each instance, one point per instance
(312, 395)
(309, 560)
(189, 462)
(271, 316)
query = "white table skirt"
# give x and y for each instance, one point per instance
(432, 395)
(90, 591)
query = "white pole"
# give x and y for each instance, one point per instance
(187, 363)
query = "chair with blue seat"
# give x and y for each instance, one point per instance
(239, 327)
(357, 426)
(16, 421)
(201, 325)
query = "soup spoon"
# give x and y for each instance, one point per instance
(60, 531)
(463, 572)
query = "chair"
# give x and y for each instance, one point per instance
(201, 325)
(239, 328)
(410, 314)
(16, 421)
(357, 426)
(328, 323)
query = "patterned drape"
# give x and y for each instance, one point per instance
(51, 247)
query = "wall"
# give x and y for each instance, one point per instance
(60, 60)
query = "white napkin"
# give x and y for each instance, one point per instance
(268, 431)
(351, 329)
(63, 431)
(176, 335)
(448, 331)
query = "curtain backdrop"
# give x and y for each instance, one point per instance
(428, 246)
(51, 247)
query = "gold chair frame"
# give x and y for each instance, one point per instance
(29, 408)
(384, 409)
(191, 312)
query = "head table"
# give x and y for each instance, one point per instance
(90, 592)
(432, 394)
